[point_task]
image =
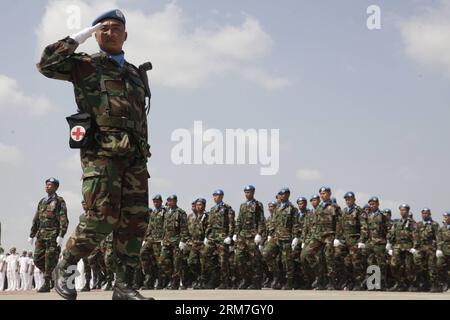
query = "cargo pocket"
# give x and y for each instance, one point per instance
(94, 185)
(117, 143)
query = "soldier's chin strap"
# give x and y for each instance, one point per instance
(143, 68)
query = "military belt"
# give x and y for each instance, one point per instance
(115, 122)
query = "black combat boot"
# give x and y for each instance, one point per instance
(256, 285)
(65, 290)
(124, 293)
(109, 286)
(245, 283)
(45, 287)
(288, 284)
(435, 287)
(223, 286)
(276, 284)
(86, 287)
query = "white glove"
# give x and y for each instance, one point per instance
(182, 245)
(231, 248)
(390, 252)
(294, 243)
(85, 34)
(260, 247)
(439, 253)
(31, 241)
(413, 251)
(269, 238)
(388, 246)
(143, 242)
(336, 243)
(361, 245)
(205, 241)
(257, 239)
(59, 241)
(227, 240)
(234, 238)
(162, 242)
(303, 245)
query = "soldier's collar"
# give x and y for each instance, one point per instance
(117, 58)
(48, 198)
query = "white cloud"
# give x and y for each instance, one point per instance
(183, 56)
(308, 174)
(12, 98)
(72, 163)
(426, 36)
(10, 155)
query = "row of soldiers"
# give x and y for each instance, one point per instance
(324, 247)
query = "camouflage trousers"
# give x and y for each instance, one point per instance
(425, 262)
(170, 262)
(150, 253)
(46, 255)
(402, 264)
(87, 270)
(314, 250)
(349, 262)
(443, 268)
(307, 271)
(109, 264)
(248, 259)
(116, 194)
(216, 256)
(196, 262)
(376, 255)
(96, 262)
(272, 251)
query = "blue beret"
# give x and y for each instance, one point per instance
(366, 206)
(446, 214)
(157, 197)
(284, 190)
(272, 203)
(404, 206)
(314, 196)
(349, 195)
(201, 200)
(113, 14)
(300, 199)
(387, 211)
(373, 199)
(426, 210)
(249, 188)
(218, 192)
(53, 181)
(325, 189)
(172, 197)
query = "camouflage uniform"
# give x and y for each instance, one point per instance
(349, 233)
(220, 225)
(306, 236)
(425, 244)
(109, 259)
(197, 227)
(283, 228)
(401, 236)
(249, 223)
(115, 174)
(322, 237)
(299, 272)
(374, 233)
(49, 222)
(443, 263)
(174, 231)
(151, 250)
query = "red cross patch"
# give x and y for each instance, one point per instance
(77, 133)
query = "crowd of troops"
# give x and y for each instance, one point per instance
(296, 246)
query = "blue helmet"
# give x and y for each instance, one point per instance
(404, 206)
(284, 190)
(218, 192)
(113, 14)
(325, 189)
(349, 195)
(249, 188)
(172, 197)
(201, 200)
(373, 199)
(302, 199)
(446, 214)
(157, 197)
(426, 210)
(387, 211)
(366, 206)
(52, 181)
(314, 196)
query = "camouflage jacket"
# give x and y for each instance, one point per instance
(50, 219)
(155, 227)
(308, 227)
(375, 229)
(284, 225)
(325, 219)
(197, 226)
(113, 95)
(250, 220)
(220, 222)
(349, 225)
(443, 240)
(426, 235)
(303, 218)
(175, 226)
(402, 234)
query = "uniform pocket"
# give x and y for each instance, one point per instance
(94, 184)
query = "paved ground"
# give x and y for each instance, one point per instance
(239, 295)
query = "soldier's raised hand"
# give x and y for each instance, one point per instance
(85, 34)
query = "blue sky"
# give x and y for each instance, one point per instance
(357, 110)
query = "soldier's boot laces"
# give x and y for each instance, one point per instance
(45, 287)
(65, 290)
